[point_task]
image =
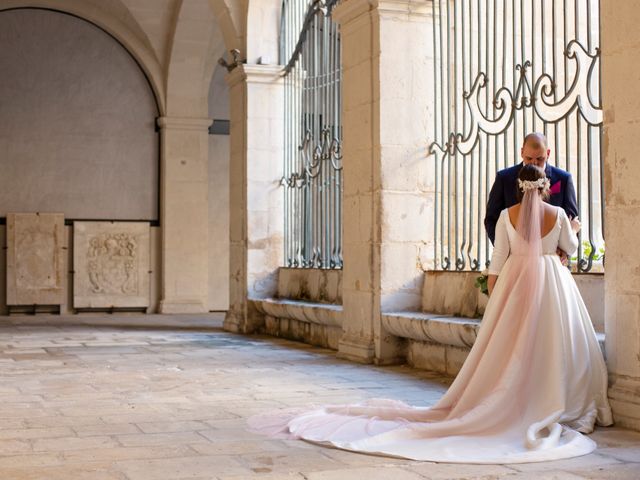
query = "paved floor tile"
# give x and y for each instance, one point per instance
(105, 402)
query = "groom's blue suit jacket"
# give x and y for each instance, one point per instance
(504, 194)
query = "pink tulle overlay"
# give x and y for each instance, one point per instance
(534, 377)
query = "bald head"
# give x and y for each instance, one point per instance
(535, 150)
(536, 139)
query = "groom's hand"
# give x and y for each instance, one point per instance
(564, 258)
(575, 225)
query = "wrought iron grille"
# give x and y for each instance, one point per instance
(503, 68)
(312, 180)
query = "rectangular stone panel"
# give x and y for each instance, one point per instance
(111, 264)
(35, 258)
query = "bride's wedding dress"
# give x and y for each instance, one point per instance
(534, 379)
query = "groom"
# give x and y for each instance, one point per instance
(534, 151)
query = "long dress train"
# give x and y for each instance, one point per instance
(534, 379)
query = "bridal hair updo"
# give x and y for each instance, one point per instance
(531, 173)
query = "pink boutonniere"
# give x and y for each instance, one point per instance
(555, 188)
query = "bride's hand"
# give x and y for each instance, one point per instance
(575, 225)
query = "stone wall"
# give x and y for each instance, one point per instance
(310, 284)
(620, 71)
(77, 123)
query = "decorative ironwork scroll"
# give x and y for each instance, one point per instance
(502, 69)
(312, 180)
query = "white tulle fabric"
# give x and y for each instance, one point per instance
(534, 379)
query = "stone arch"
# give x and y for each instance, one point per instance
(196, 45)
(123, 29)
(231, 18)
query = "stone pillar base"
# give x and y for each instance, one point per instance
(239, 321)
(356, 349)
(624, 397)
(182, 305)
(232, 323)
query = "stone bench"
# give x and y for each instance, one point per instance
(310, 322)
(307, 307)
(437, 342)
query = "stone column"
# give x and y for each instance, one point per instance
(184, 215)
(387, 192)
(620, 43)
(256, 197)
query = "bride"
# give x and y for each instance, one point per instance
(534, 382)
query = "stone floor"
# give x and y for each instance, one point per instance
(108, 403)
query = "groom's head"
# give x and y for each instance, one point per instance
(535, 150)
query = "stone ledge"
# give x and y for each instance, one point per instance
(309, 312)
(439, 329)
(432, 327)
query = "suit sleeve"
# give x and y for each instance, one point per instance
(570, 204)
(495, 205)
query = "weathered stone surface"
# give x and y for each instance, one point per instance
(313, 323)
(326, 336)
(35, 259)
(111, 264)
(441, 343)
(308, 312)
(427, 356)
(454, 293)
(622, 199)
(429, 327)
(256, 235)
(313, 284)
(624, 396)
(302, 310)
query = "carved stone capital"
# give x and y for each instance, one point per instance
(253, 73)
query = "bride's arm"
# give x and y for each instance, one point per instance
(500, 252)
(568, 241)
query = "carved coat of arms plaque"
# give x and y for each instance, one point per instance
(111, 264)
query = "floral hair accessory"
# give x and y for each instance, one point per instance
(525, 185)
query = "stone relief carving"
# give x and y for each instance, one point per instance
(111, 264)
(35, 258)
